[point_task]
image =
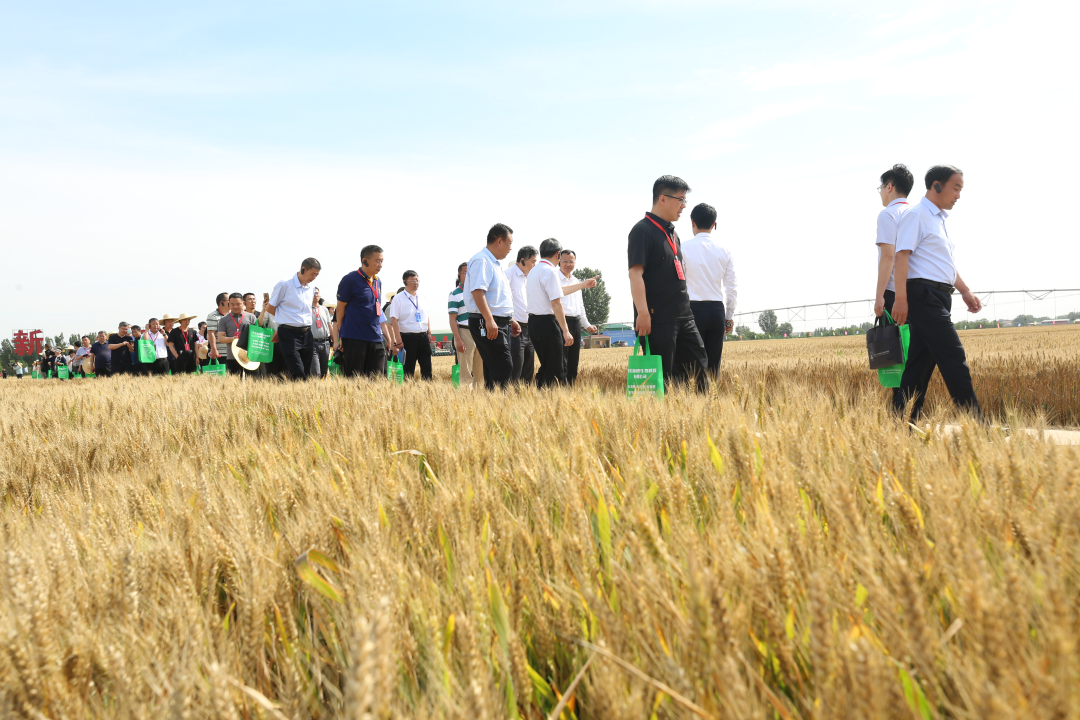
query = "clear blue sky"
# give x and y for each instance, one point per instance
(152, 156)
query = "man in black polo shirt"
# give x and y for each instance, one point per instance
(658, 285)
(122, 345)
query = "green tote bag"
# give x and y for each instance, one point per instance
(63, 372)
(890, 376)
(395, 372)
(455, 376)
(214, 368)
(259, 346)
(147, 351)
(645, 374)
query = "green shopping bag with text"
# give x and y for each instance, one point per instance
(645, 374)
(332, 367)
(214, 368)
(455, 376)
(259, 345)
(34, 375)
(147, 351)
(63, 372)
(395, 372)
(890, 376)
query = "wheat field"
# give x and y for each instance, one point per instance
(781, 548)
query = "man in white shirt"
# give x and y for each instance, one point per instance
(925, 272)
(322, 336)
(409, 317)
(547, 318)
(290, 304)
(896, 184)
(711, 284)
(574, 307)
(491, 306)
(521, 347)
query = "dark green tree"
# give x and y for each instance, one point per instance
(767, 322)
(784, 329)
(597, 300)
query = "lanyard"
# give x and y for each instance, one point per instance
(238, 323)
(318, 317)
(187, 340)
(374, 293)
(674, 251)
(415, 304)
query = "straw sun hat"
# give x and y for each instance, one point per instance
(240, 355)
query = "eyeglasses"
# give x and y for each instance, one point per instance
(682, 200)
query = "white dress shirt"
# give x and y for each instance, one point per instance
(922, 231)
(404, 307)
(517, 277)
(543, 286)
(159, 340)
(710, 272)
(888, 222)
(485, 273)
(573, 304)
(292, 302)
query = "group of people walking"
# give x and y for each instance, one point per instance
(523, 323)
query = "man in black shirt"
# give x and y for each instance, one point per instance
(658, 285)
(122, 345)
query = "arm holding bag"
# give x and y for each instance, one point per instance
(883, 345)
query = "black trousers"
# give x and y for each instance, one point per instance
(322, 353)
(547, 339)
(417, 349)
(296, 349)
(711, 321)
(232, 367)
(523, 354)
(679, 345)
(890, 298)
(184, 362)
(572, 352)
(363, 357)
(158, 367)
(934, 343)
(498, 365)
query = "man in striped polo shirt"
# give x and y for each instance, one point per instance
(472, 367)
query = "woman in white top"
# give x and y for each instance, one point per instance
(574, 307)
(157, 335)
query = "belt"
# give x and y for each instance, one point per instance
(325, 339)
(298, 328)
(932, 283)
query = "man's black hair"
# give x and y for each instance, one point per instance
(408, 274)
(222, 297)
(136, 327)
(900, 177)
(498, 232)
(704, 216)
(567, 252)
(85, 337)
(369, 250)
(550, 247)
(253, 295)
(941, 174)
(525, 253)
(310, 264)
(462, 265)
(667, 184)
(236, 295)
(122, 324)
(150, 321)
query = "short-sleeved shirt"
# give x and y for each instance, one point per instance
(102, 356)
(922, 231)
(177, 338)
(121, 356)
(485, 273)
(542, 286)
(80, 354)
(518, 288)
(888, 223)
(229, 324)
(405, 308)
(455, 304)
(320, 323)
(211, 326)
(292, 302)
(361, 317)
(135, 351)
(665, 294)
(159, 339)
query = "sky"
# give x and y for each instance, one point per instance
(154, 155)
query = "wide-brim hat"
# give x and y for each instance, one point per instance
(185, 316)
(88, 363)
(167, 316)
(203, 351)
(70, 347)
(330, 304)
(240, 355)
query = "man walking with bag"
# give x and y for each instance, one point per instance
(658, 286)
(471, 366)
(358, 319)
(926, 275)
(491, 306)
(896, 184)
(412, 326)
(231, 326)
(290, 304)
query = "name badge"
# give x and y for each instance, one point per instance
(417, 317)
